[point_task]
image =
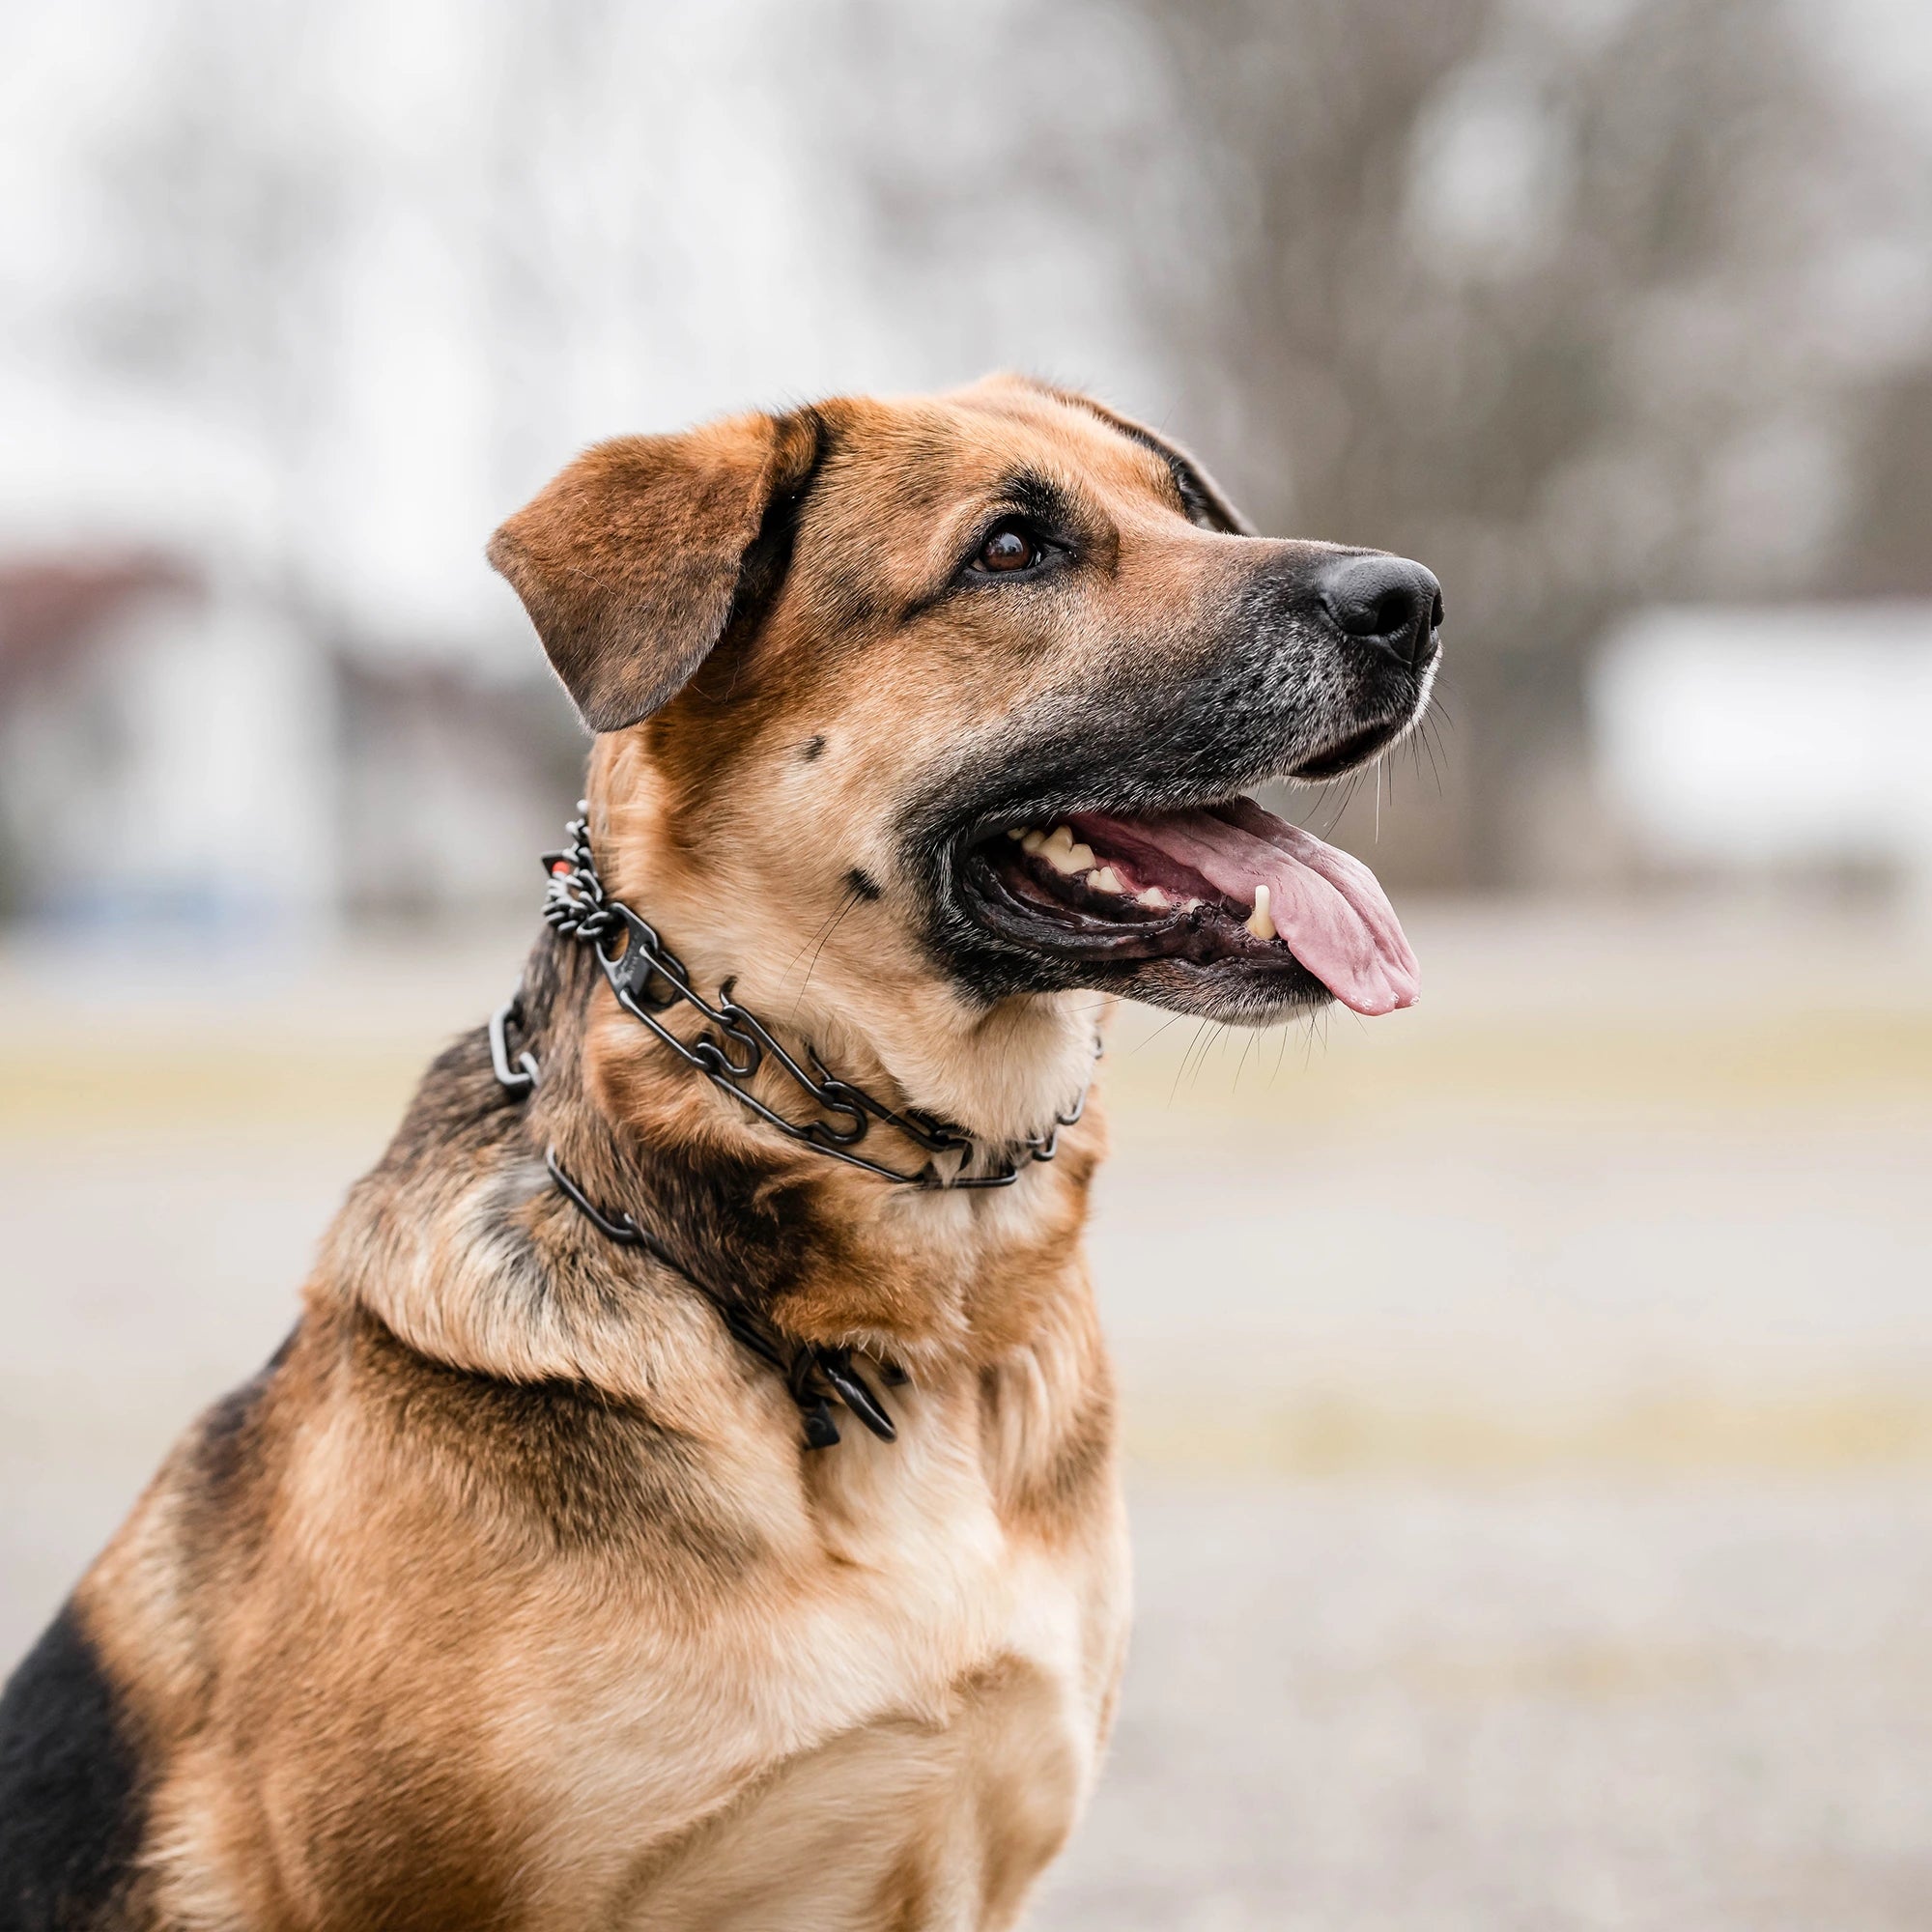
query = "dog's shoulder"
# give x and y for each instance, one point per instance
(555, 1467)
(71, 1790)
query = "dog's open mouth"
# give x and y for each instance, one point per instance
(1228, 883)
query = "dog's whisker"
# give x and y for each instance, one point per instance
(1156, 1033)
(851, 899)
(1174, 1091)
(1215, 1035)
(830, 919)
(1429, 745)
(1241, 1065)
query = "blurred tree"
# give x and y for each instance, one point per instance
(1528, 294)
(1889, 541)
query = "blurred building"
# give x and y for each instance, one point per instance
(452, 784)
(165, 748)
(181, 751)
(1770, 743)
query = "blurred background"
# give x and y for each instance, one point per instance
(1528, 1396)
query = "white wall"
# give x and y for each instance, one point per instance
(184, 774)
(1737, 738)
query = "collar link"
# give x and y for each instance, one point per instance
(649, 979)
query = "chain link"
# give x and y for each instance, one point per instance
(815, 1372)
(648, 979)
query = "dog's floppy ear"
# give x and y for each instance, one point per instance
(630, 562)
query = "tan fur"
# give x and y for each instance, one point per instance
(508, 1596)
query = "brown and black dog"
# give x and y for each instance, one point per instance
(510, 1593)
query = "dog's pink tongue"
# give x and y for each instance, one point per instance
(1328, 908)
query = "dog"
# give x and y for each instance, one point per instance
(689, 1495)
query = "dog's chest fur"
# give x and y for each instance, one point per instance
(896, 1723)
(413, 1645)
(879, 1701)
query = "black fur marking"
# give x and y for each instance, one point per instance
(812, 748)
(221, 1449)
(765, 563)
(1042, 500)
(1205, 506)
(1202, 502)
(864, 884)
(229, 1454)
(72, 1806)
(560, 1465)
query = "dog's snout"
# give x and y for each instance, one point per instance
(1385, 601)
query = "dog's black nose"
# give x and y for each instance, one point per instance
(1385, 601)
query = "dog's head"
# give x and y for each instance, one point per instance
(954, 702)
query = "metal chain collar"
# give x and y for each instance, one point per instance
(814, 1374)
(648, 978)
(577, 906)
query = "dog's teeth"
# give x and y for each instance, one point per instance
(1155, 900)
(1258, 922)
(1016, 832)
(1105, 880)
(1064, 856)
(1031, 841)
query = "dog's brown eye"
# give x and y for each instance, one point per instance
(1007, 548)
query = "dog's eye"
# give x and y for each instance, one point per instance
(1008, 547)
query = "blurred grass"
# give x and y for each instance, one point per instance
(1820, 1058)
(76, 1070)
(1809, 1433)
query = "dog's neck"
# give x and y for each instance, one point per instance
(825, 1253)
(826, 963)
(935, 1279)
(461, 1247)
